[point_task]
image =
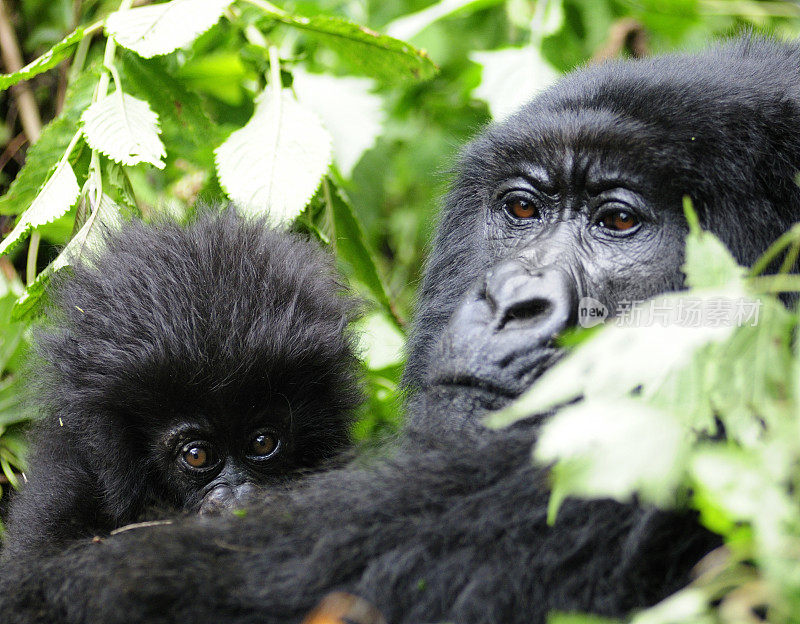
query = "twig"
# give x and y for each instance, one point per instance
(14, 145)
(28, 111)
(12, 59)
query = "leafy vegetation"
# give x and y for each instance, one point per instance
(344, 116)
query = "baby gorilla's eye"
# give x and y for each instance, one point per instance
(520, 208)
(618, 220)
(197, 455)
(263, 445)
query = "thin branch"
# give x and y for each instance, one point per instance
(12, 60)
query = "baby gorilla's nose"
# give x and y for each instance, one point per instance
(226, 497)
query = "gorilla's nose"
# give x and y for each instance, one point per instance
(225, 497)
(542, 300)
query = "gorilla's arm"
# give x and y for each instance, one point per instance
(452, 529)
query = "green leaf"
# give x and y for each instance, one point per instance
(46, 61)
(48, 150)
(614, 448)
(366, 51)
(125, 129)
(56, 197)
(351, 247)
(349, 110)
(185, 126)
(159, 29)
(276, 162)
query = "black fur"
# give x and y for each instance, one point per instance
(450, 526)
(222, 327)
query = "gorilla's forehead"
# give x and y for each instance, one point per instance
(572, 147)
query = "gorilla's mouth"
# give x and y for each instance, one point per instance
(517, 370)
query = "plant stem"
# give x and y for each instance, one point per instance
(267, 7)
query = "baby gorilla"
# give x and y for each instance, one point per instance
(179, 369)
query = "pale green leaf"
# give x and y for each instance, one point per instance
(46, 61)
(125, 129)
(276, 162)
(105, 218)
(349, 110)
(735, 481)
(708, 262)
(613, 448)
(381, 341)
(407, 26)
(511, 77)
(161, 28)
(689, 606)
(56, 197)
(673, 326)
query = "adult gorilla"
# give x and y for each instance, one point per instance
(579, 194)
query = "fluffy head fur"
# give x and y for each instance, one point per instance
(224, 321)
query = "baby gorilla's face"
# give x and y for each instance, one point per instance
(216, 459)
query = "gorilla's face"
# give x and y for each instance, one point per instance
(566, 211)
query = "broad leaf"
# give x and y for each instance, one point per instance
(511, 77)
(349, 110)
(185, 126)
(46, 61)
(56, 197)
(673, 326)
(125, 129)
(161, 28)
(381, 57)
(276, 162)
(612, 448)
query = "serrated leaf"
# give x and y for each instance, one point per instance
(48, 150)
(349, 110)
(185, 126)
(511, 77)
(106, 217)
(56, 197)
(46, 61)
(366, 51)
(125, 129)
(276, 162)
(159, 29)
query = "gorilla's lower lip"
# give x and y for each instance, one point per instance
(515, 385)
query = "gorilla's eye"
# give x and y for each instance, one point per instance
(263, 444)
(197, 455)
(520, 208)
(618, 220)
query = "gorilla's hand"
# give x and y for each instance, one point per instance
(500, 337)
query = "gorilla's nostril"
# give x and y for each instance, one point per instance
(525, 312)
